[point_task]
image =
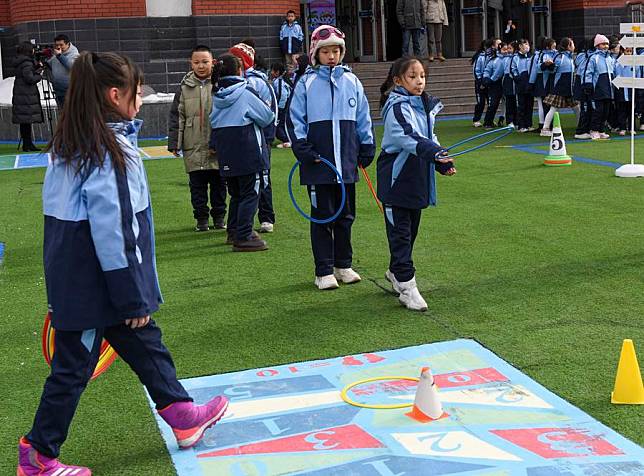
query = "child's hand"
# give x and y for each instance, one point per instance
(444, 163)
(137, 322)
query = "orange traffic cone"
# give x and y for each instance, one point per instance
(427, 406)
(628, 381)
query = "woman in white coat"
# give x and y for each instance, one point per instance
(436, 17)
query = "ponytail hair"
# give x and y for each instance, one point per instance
(82, 133)
(564, 44)
(397, 70)
(226, 65)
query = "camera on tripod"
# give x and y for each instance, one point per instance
(42, 52)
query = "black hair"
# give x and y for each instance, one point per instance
(291, 11)
(82, 132)
(260, 63)
(25, 48)
(540, 44)
(478, 52)
(548, 42)
(397, 70)
(62, 37)
(200, 48)
(279, 67)
(564, 43)
(302, 64)
(249, 41)
(226, 65)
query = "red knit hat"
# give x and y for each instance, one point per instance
(245, 53)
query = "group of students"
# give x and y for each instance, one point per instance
(99, 253)
(557, 76)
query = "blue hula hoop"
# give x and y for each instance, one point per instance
(507, 131)
(343, 200)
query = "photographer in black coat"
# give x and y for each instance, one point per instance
(26, 108)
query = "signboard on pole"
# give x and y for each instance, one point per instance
(626, 28)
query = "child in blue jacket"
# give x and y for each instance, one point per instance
(562, 72)
(598, 79)
(479, 61)
(259, 82)
(291, 38)
(282, 90)
(238, 118)
(406, 181)
(520, 67)
(100, 265)
(509, 88)
(329, 118)
(585, 101)
(492, 80)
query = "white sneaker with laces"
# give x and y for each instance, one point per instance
(389, 276)
(595, 135)
(410, 296)
(266, 227)
(326, 282)
(546, 133)
(346, 275)
(478, 124)
(585, 136)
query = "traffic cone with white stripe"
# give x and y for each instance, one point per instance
(557, 155)
(427, 406)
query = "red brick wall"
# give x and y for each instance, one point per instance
(564, 5)
(31, 10)
(5, 18)
(247, 7)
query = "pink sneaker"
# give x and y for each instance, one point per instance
(189, 421)
(32, 463)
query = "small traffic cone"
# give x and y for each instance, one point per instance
(427, 406)
(557, 154)
(628, 382)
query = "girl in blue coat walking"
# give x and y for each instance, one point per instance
(100, 265)
(406, 180)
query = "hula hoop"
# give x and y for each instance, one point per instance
(507, 130)
(392, 406)
(342, 200)
(107, 355)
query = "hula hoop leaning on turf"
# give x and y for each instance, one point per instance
(343, 200)
(507, 130)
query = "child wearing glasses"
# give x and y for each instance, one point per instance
(329, 118)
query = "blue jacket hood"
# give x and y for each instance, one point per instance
(228, 96)
(326, 72)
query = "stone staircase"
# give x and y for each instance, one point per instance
(450, 81)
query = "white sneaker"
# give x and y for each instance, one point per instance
(585, 136)
(622, 133)
(641, 127)
(346, 275)
(523, 130)
(546, 133)
(280, 146)
(410, 296)
(287, 145)
(266, 227)
(478, 124)
(511, 125)
(326, 282)
(389, 276)
(595, 135)
(603, 135)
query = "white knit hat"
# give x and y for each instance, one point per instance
(326, 35)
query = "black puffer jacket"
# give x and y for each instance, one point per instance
(26, 98)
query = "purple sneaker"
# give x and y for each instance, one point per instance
(32, 463)
(189, 421)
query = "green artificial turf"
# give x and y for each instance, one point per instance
(542, 265)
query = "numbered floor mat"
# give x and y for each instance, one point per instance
(292, 420)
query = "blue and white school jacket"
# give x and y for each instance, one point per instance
(564, 74)
(520, 67)
(98, 251)
(291, 38)
(406, 165)
(282, 91)
(493, 73)
(479, 66)
(509, 88)
(539, 77)
(581, 61)
(600, 72)
(259, 82)
(625, 94)
(238, 117)
(329, 117)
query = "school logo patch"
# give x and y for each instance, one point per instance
(352, 102)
